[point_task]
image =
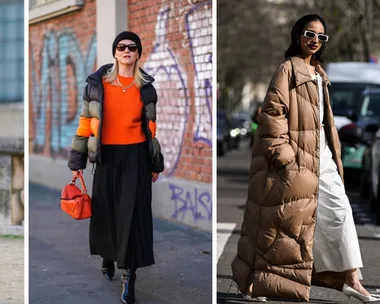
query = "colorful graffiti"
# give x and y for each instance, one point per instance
(171, 85)
(57, 92)
(195, 203)
(172, 82)
(202, 61)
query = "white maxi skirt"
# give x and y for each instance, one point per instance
(336, 245)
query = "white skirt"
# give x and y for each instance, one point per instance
(336, 245)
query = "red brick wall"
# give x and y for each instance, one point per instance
(177, 51)
(62, 52)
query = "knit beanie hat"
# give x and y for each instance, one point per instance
(130, 36)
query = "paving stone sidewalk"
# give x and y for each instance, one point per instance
(11, 270)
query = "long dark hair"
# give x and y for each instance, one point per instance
(295, 48)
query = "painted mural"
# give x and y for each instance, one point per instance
(57, 90)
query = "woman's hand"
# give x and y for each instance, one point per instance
(155, 176)
(76, 173)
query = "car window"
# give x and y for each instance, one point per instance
(344, 100)
(371, 106)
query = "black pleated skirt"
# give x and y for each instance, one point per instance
(121, 227)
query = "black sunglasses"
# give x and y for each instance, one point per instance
(131, 47)
(321, 37)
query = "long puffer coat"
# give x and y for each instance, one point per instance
(274, 256)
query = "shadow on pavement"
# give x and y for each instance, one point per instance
(225, 297)
(224, 276)
(242, 180)
(369, 238)
(232, 172)
(233, 191)
(371, 287)
(233, 298)
(236, 231)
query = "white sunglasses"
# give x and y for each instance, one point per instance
(321, 37)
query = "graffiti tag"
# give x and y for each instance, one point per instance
(196, 203)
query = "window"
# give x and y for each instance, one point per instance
(371, 106)
(37, 3)
(347, 97)
(40, 10)
(12, 51)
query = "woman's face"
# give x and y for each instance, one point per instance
(309, 46)
(126, 57)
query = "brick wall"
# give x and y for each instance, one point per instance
(62, 54)
(177, 51)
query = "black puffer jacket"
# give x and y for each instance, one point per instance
(93, 97)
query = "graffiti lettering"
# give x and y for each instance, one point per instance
(57, 94)
(199, 19)
(197, 203)
(172, 93)
(171, 82)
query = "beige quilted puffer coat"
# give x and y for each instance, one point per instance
(274, 256)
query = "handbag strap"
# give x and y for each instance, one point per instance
(80, 176)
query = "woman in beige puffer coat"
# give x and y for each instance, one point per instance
(298, 227)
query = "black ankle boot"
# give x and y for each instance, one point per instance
(128, 279)
(108, 269)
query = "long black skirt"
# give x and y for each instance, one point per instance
(121, 227)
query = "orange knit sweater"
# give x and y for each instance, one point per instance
(123, 114)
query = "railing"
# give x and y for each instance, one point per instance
(37, 3)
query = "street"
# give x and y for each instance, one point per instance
(232, 183)
(62, 270)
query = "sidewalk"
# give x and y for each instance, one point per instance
(12, 270)
(63, 271)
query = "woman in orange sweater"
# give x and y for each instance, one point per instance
(117, 132)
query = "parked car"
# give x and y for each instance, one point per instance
(244, 121)
(357, 137)
(223, 138)
(236, 132)
(348, 80)
(225, 141)
(375, 176)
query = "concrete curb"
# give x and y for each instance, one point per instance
(12, 230)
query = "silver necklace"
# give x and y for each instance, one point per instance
(123, 87)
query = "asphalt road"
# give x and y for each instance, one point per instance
(231, 195)
(61, 270)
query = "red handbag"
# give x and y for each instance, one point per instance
(76, 202)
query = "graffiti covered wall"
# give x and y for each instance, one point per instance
(177, 52)
(62, 52)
